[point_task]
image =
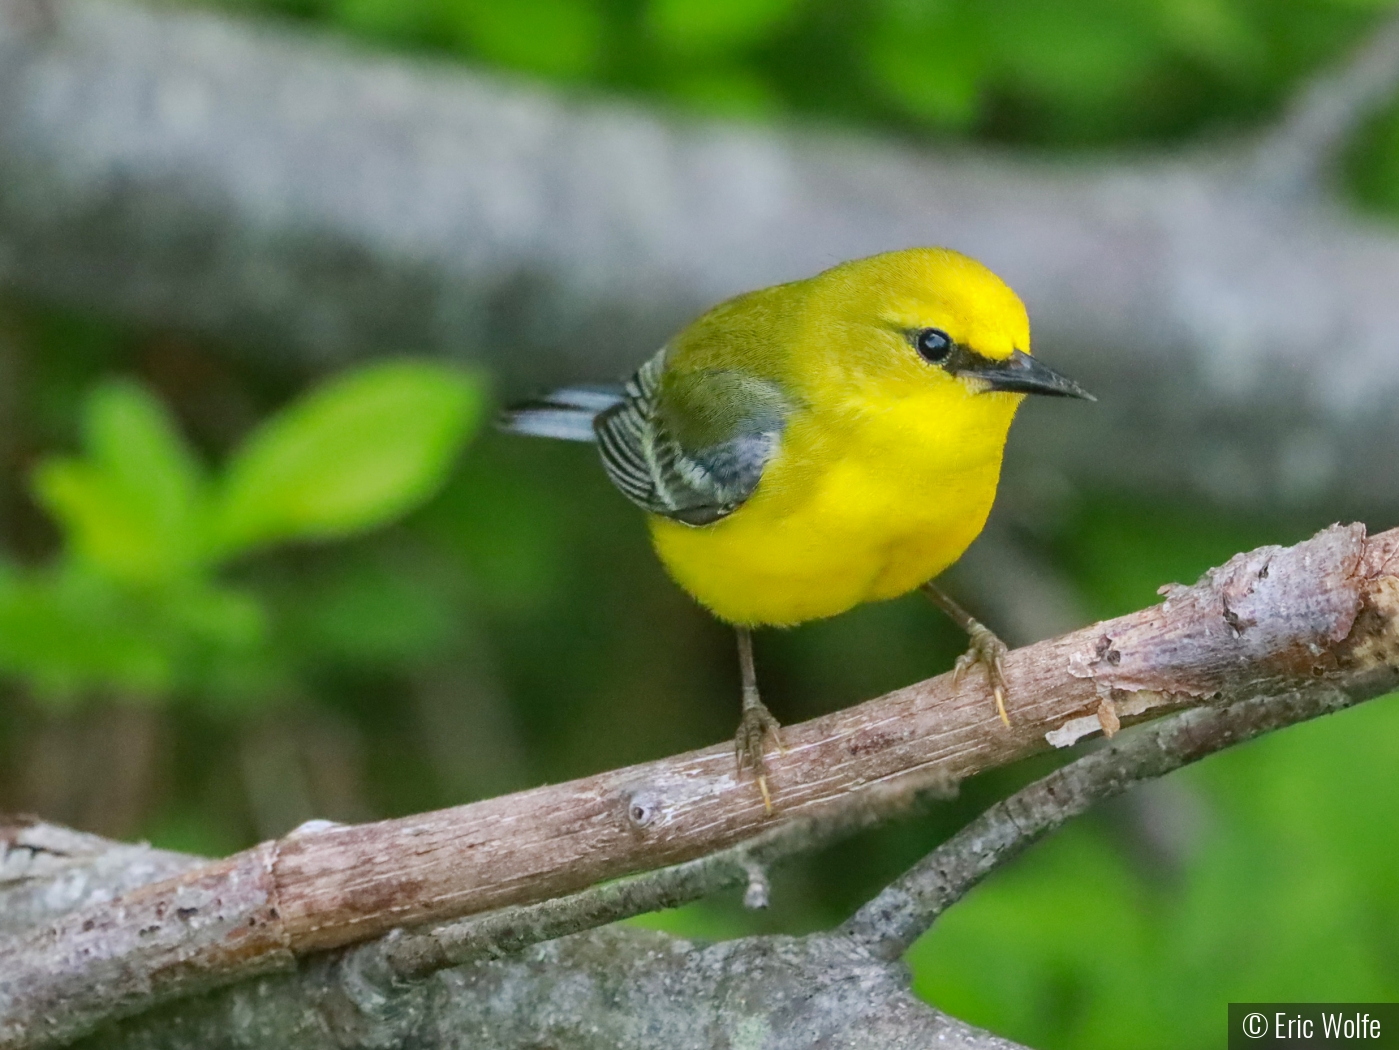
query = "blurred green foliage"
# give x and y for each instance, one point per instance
(1045, 71)
(133, 606)
(514, 627)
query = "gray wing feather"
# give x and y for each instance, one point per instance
(654, 471)
(566, 414)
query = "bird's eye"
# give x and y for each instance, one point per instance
(933, 344)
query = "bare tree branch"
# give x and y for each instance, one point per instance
(1316, 619)
(888, 925)
(413, 955)
(184, 170)
(612, 988)
(590, 991)
(372, 1005)
(47, 870)
(375, 995)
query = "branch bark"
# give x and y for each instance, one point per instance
(613, 988)
(47, 870)
(888, 925)
(1318, 621)
(589, 991)
(182, 169)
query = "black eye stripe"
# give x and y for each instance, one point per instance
(933, 344)
(936, 347)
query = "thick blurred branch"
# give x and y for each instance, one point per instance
(1311, 628)
(1305, 146)
(182, 169)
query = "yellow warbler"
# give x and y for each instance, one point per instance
(805, 448)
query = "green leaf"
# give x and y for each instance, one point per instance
(715, 26)
(133, 506)
(357, 453)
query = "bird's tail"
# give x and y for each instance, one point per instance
(566, 414)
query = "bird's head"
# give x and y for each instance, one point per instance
(931, 319)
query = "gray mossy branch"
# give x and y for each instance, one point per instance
(612, 989)
(184, 170)
(1311, 627)
(47, 870)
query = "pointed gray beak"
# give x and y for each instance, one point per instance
(1022, 374)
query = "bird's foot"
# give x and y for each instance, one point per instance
(988, 651)
(753, 729)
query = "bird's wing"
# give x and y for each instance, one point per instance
(690, 446)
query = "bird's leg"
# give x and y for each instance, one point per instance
(756, 723)
(985, 649)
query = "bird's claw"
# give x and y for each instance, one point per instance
(753, 728)
(988, 651)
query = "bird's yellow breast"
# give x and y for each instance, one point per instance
(868, 497)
